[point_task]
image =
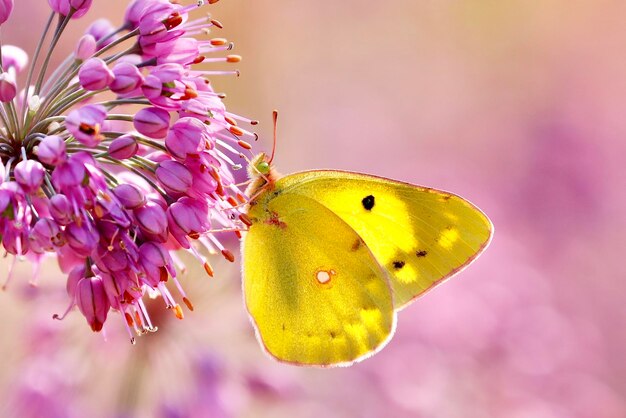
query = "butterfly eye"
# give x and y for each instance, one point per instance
(263, 167)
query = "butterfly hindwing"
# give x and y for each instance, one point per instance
(421, 236)
(315, 292)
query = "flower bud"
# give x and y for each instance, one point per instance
(86, 47)
(8, 87)
(63, 7)
(123, 147)
(188, 218)
(61, 209)
(126, 78)
(152, 122)
(29, 174)
(174, 176)
(6, 7)
(94, 75)
(85, 124)
(156, 262)
(187, 136)
(101, 30)
(92, 301)
(130, 196)
(82, 239)
(14, 57)
(51, 150)
(46, 235)
(152, 220)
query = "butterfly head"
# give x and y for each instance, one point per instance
(259, 166)
(261, 173)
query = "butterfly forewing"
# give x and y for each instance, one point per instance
(421, 236)
(314, 290)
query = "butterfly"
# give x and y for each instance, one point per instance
(330, 257)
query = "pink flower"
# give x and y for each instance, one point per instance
(77, 8)
(123, 147)
(108, 188)
(92, 301)
(94, 75)
(126, 78)
(29, 174)
(153, 122)
(174, 176)
(103, 32)
(6, 7)
(8, 87)
(188, 218)
(85, 124)
(51, 150)
(129, 195)
(14, 57)
(86, 47)
(187, 136)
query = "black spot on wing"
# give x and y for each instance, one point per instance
(421, 253)
(398, 264)
(368, 202)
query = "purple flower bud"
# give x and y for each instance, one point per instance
(46, 235)
(183, 51)
(61, 209)
(75, 276)
(152, 122)
(116, 284)
(86, 47)
(29, 174)
(187, 136)
(127, 78)
(134, 12)
(156, 262)
(152, 220)
(51, 150)
(164, 86)
(95, 75)
(14, 57)
(85, 124)
(8, 87)
(63, 7)
(188, 218)
(69, 174)
(6, 199)
(123, 147)
(82, 238)
(102, 29)
(15, 241)
(111, 261)
(92, 301)
(174, 176)
(6, 7)
(130, 196)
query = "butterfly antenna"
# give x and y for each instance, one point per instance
(275, 119)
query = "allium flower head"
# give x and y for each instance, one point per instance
(120, 156)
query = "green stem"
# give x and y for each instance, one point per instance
(31, 70)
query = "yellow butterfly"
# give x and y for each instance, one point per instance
(330, 256)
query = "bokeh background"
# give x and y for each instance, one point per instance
(517, 105)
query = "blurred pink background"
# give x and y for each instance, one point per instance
(516, 105)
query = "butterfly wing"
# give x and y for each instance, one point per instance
(421, 236)
(314, 296)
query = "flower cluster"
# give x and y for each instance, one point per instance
(120, 156)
